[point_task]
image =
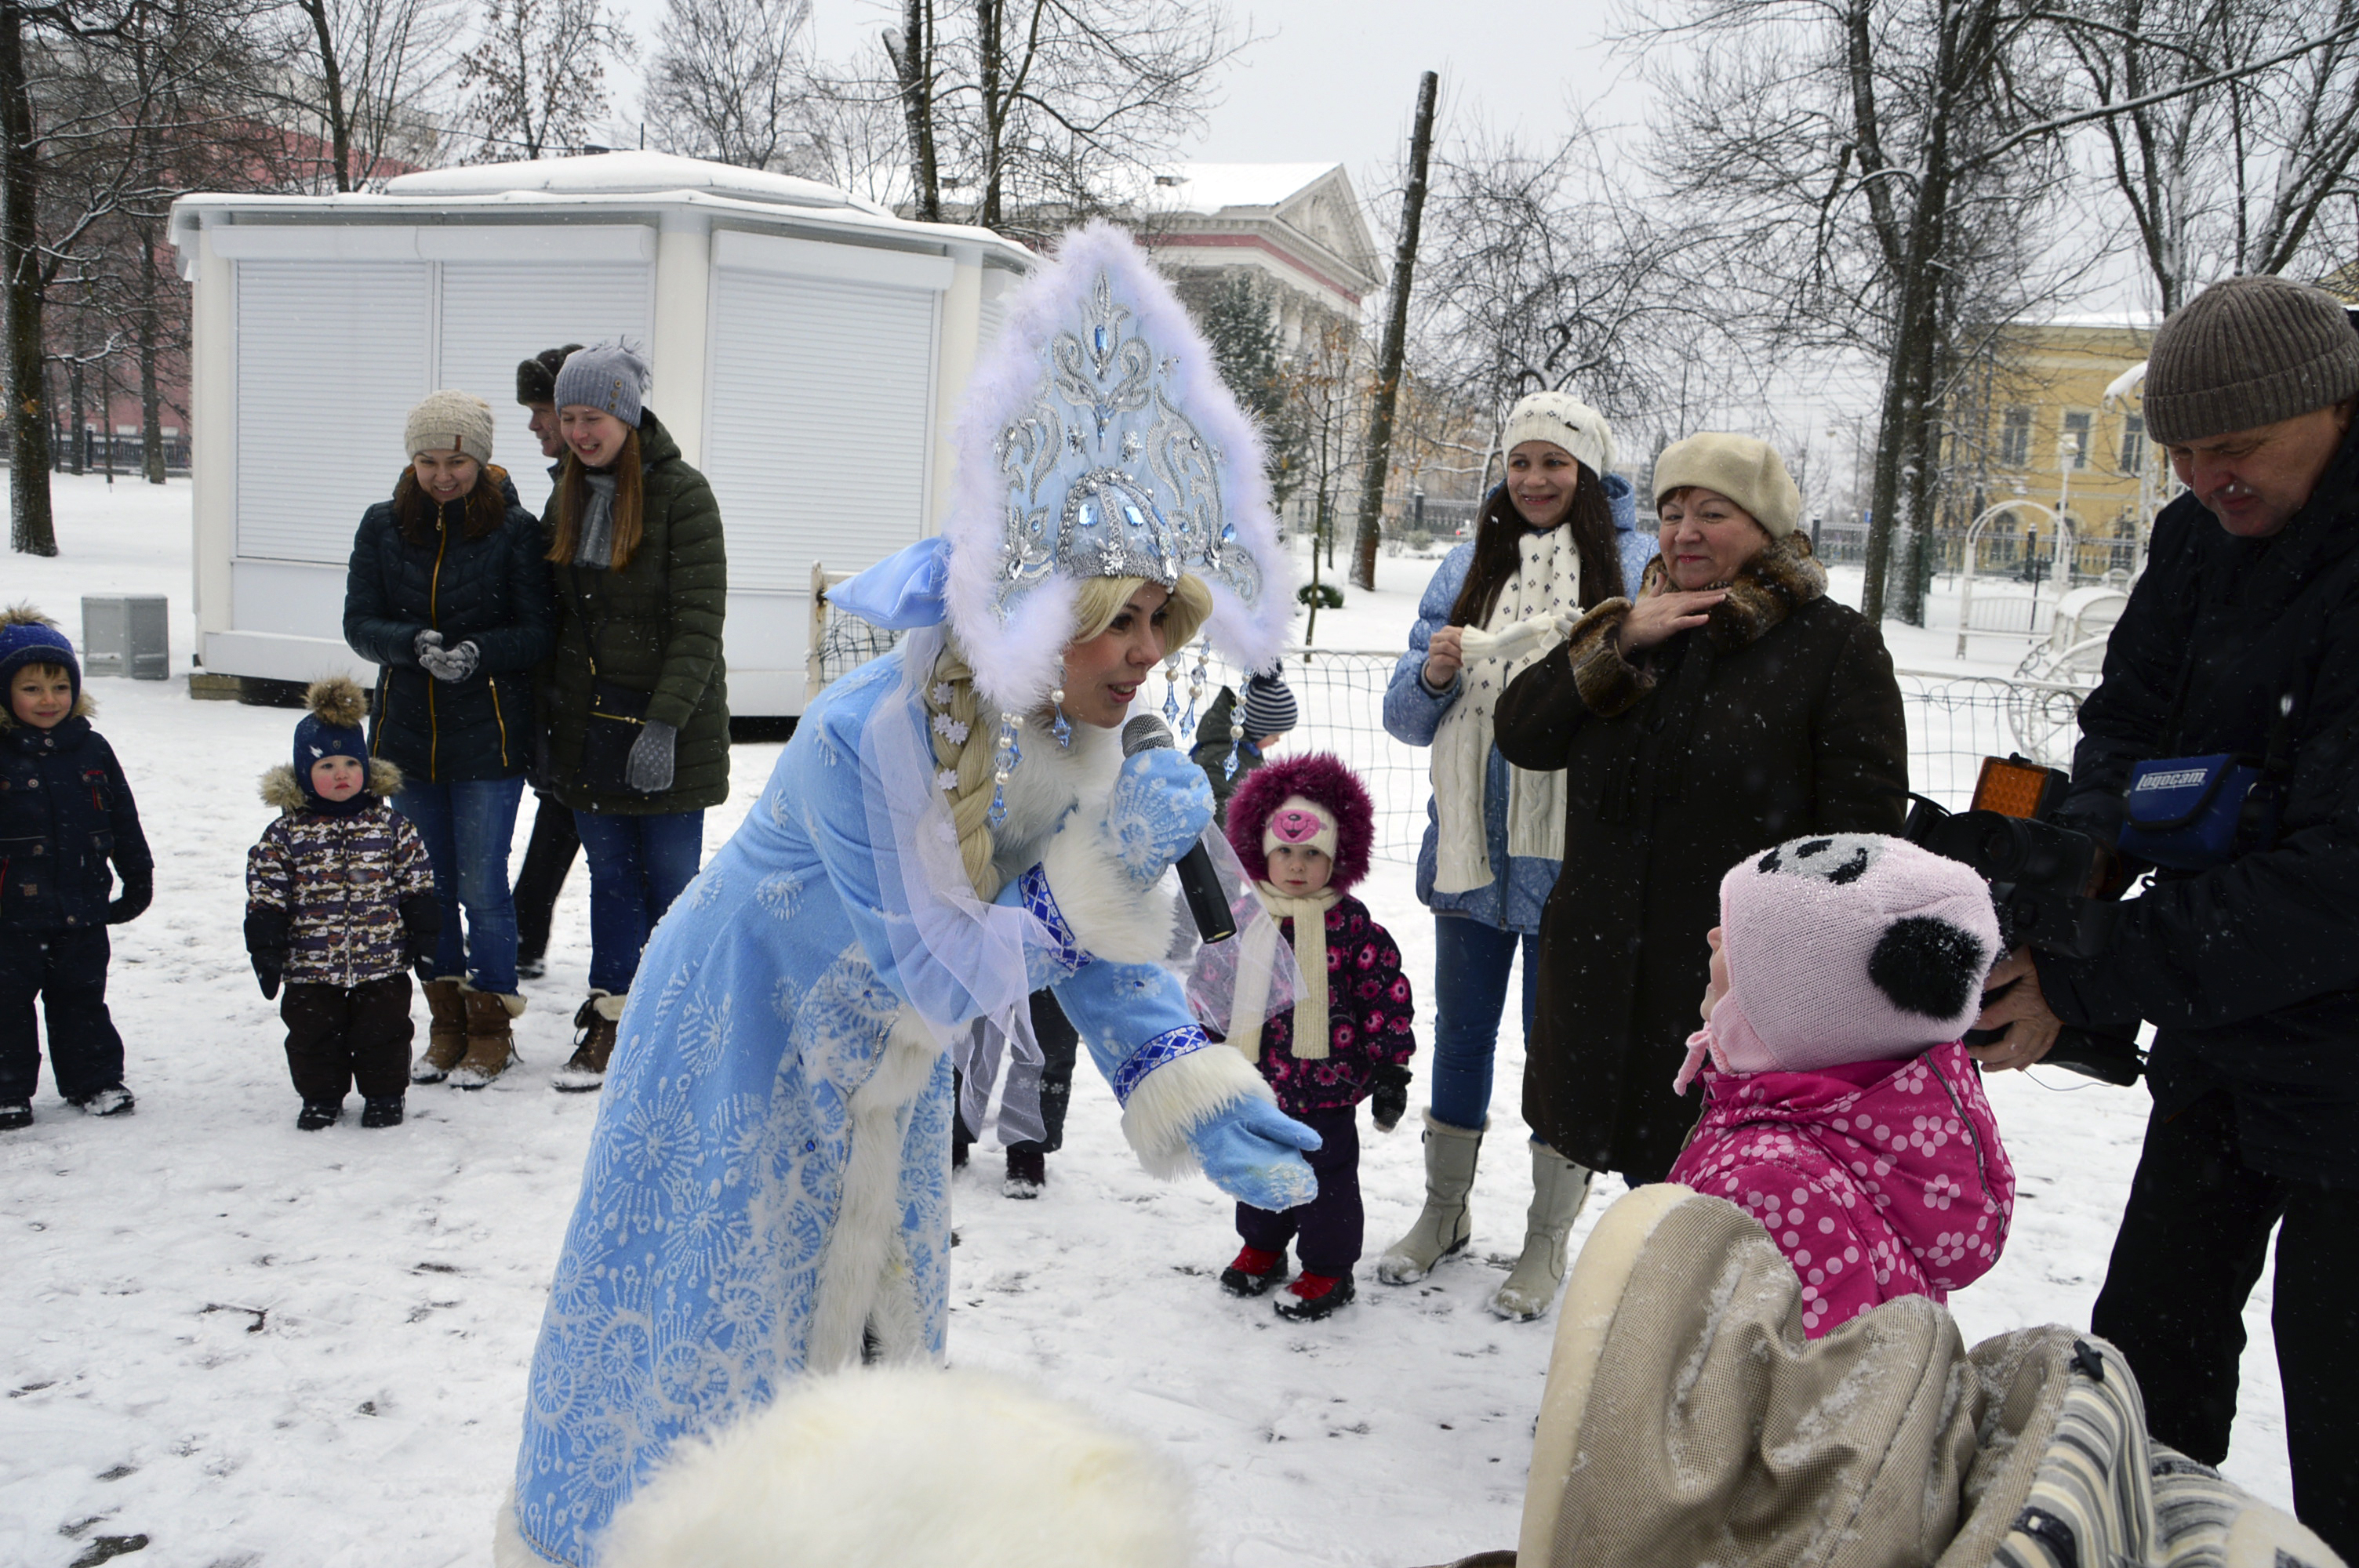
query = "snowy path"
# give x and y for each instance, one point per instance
(258, 1347)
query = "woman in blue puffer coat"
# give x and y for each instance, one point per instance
(1548, 545)
(448, 594)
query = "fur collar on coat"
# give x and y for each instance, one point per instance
(1767, 591)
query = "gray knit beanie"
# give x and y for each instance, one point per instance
(2247, 352)
(610, 377)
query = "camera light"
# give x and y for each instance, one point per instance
(2011, 787)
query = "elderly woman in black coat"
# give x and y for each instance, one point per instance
(448, 593)
(1730, 706)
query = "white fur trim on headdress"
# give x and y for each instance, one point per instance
(1055, 415)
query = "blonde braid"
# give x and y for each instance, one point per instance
(971, 759)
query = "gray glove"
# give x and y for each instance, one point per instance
(450, 663)
(649, 768)
(428, 642)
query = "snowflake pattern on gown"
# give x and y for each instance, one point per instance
(683, 1294)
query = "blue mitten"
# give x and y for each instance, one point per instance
(1249, 1148)
(1161, 802)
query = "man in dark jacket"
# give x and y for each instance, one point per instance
(2243, 637)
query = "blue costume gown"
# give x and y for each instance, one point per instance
(766, 1188)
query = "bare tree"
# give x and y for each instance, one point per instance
(1393, 350)
(91, 98)
(1545, 276)
(1031, 111)
(360, 76)
(2222, 161)
(731, 80)
(535, 82)
(1325, 392)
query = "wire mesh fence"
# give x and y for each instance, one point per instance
(1954, 721)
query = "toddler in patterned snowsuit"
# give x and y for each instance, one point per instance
(1301, 828)
(339, 905)
(1841, 1108)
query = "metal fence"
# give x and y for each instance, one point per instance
(1997, 556)
(1954, 721)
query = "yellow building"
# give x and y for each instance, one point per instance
(2036, 434)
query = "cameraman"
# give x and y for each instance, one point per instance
(2248, 612)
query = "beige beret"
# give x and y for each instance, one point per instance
(450, 421)
(1747, 471)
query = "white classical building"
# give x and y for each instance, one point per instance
(808, 351)
(1295, 227)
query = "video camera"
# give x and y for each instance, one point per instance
(2039, 874)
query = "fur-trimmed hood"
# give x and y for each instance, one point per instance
(1767, 591)
(1326, 781)
(280, 789)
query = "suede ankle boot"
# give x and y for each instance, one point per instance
(491, 1039)
(593, 1043)
(446, 1034)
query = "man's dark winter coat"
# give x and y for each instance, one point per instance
(1779, 717)
(2250, 972)
(66, 816)
(653, 627)
(491, 590)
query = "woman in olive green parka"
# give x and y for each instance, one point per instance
(642, 583)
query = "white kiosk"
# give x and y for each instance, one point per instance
(809, 348)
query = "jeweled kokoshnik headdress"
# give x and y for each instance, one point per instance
(1096, 440)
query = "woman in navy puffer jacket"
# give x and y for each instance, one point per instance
(448, 594)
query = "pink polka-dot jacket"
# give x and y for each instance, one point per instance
(1875, 1179)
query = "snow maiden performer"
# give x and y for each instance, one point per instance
(953, 827)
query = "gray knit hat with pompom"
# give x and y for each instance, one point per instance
(611, 377)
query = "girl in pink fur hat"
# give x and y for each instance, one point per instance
(1301, 828)
(1840, 1106)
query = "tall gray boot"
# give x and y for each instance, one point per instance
(1442, 1227)
(1559, 1189)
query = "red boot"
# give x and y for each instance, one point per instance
(1254, 1272)
(1314, 1296)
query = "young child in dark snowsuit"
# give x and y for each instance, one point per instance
(65, 816)
(340, 903)
(1301, 827)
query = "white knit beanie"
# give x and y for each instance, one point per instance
(450, 421)
(1563, 420)
(1747, 470)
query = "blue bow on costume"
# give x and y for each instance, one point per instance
(900, 592)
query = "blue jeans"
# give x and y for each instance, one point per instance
(467, 826)
(1471, 961)
(638, 866)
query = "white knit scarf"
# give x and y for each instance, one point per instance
(1310, 917)
(1521, 627)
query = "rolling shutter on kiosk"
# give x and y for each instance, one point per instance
(818, 430)
(331, 357)
(496, 313)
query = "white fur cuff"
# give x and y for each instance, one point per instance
(1108, 914)
(1178, 1096)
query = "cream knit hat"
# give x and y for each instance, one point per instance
(1561, 419)
(1747, 471)
(450, 421)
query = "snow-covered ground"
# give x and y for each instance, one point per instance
(256, 1346)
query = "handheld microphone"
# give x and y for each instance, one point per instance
(1198, 879)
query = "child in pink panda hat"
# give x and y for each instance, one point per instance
(1841, 1108)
